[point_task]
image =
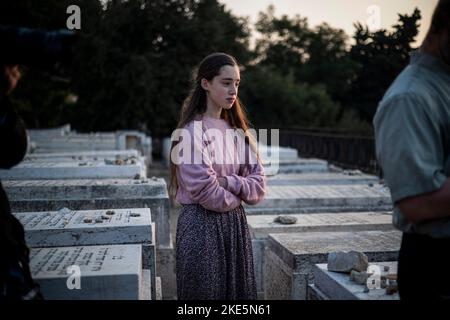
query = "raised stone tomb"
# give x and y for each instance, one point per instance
(322, 198)
(93, 227)
(261, 226)
(53, 195)
(328, 178)
(330, 285)
(289, 258)
(40, 170)
(105, 272)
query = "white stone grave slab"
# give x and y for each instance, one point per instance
(260, 226)
(83, 156)
(300, 165)
(89, 227)
(320, 179)
(146, 293)
(338, 286)
(276, 152)
(322, 198)
(66, 228)
(106, 272)
(36, 134)
(77, 143)
(72, 170)
(53, 195)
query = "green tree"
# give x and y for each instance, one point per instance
(138, 69)
(380, 57)
(132, 64)
(313, 55)
(276, 100)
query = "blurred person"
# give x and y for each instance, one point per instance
(16, 282)
(412, 132)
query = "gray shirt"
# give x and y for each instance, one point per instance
(412, 132)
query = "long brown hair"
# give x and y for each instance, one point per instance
(195, 104)
(441, 15)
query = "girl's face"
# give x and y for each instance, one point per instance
(223, 89)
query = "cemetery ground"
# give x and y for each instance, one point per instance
(101, 225)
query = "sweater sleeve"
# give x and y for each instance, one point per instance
(250, 184)
(201, 181)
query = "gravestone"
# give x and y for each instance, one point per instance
(90, 227)
(289, 258)
(322, 198)
(70, 143)
(83, 156)
(41, 170)
(53, 195)
(131, 139)
(45, 134)
(300, 165)
(329, 178)
(105, 272)
(260, 226)
(93, 227)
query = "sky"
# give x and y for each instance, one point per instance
(340, 13)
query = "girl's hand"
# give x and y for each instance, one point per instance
(223, 182)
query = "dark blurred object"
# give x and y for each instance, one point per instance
(36, 47)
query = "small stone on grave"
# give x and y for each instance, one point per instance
(347, 261)
(285, 219)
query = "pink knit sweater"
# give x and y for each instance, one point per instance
(198, 180)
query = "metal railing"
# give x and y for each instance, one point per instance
(345, 150)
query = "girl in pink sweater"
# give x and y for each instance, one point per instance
(215, 167)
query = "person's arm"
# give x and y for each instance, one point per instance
(249, 183)
(202, 183)
(251, 186)
(409, 143)
(433, 205)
